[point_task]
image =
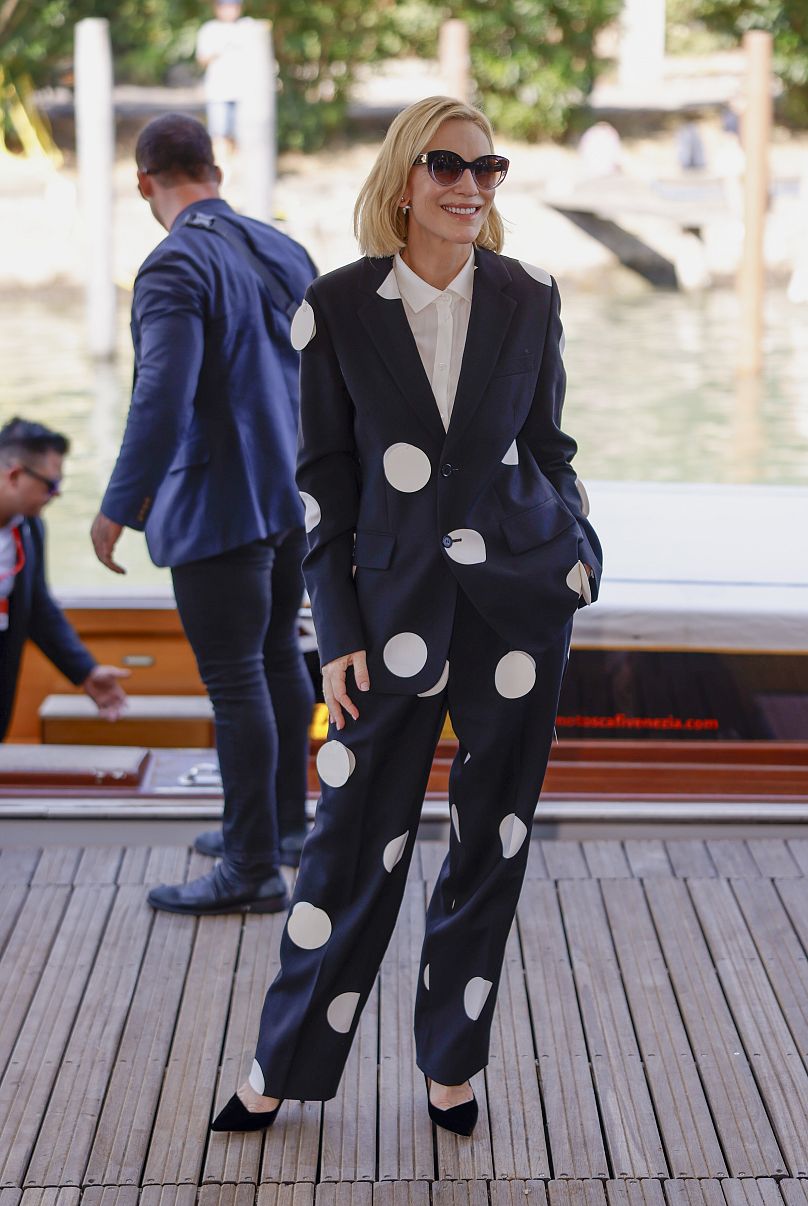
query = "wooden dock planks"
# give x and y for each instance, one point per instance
(739, 1115)
(405, 1133)
(570, 1106)
(627, 1114)
(650, 1045)
(691, 1145)
(36, 1057)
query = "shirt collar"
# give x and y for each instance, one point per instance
(402, 282)
(207, 204)
(12, 524)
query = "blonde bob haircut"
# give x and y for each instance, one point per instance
(380, 225)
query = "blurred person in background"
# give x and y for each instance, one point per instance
(220, 50)
(206, 468)
(31, 458)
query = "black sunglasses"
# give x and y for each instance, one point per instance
(51, 484)
(446, 167)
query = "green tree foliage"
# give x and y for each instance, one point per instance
(531, 59)
(787, 21)
(318, 44)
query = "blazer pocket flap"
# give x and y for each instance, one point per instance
(374, 550)
(528, 529)
(195, 452)
(517, 364)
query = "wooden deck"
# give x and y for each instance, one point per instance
(649, 1049)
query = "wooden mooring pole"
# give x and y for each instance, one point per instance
(756, 125)
(256, 122)
(95, 151)
(455, 59)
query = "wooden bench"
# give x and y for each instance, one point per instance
(157, 721)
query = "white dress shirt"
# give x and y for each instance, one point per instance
(8, 556)
(439, 321)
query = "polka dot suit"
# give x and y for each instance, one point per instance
(456, 559)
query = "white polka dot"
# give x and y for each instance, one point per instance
(406, 467)
(475, 996)
(578, 581)
(405, 654)
(335, 763)
(308, 926)
(439, 685)
(340, 1012)
(511, 457)
(426, 977)
(313, 514)
(515, 674)
(512, 833)
(394, 850)
(256, 1078)
(303, 327)
(469, 546)
(562, 343)
(466, 759)
(584, 497)
(539, 274)
(456, 821)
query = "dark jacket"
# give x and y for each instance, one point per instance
(207, 460)
(492, 507)
(34, 615)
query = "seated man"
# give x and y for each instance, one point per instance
(30, 476)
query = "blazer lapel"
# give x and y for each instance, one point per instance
(491, 313)
(386, 324)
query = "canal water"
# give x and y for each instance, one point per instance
(652, 396)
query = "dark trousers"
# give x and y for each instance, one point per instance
(354, 864)
(239, 613)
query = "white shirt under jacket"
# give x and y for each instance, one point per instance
(439, 321)
(8, 556)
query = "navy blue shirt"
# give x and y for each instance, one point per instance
(207, 459)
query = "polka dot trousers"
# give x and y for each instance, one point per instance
(353, 870)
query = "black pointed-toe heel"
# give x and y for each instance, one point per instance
(236, 1117)
(459, 1119)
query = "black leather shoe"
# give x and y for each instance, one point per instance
(459, 1119)
(236, 1117)
(291, 845)
(212, 844)
(218, 893)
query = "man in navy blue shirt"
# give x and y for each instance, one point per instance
(206, 469)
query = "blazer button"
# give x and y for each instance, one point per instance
(446, 470)
(447, 542)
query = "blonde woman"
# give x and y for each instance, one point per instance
(448, 551)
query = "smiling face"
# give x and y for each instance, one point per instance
(455, 213)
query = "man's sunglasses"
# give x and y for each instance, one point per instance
(446, 168)
(51, 484)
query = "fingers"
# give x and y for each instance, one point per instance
(344, 699)
(334, 710)
(335, 691)
(104, 535)
(360, 669)
(107, 559)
